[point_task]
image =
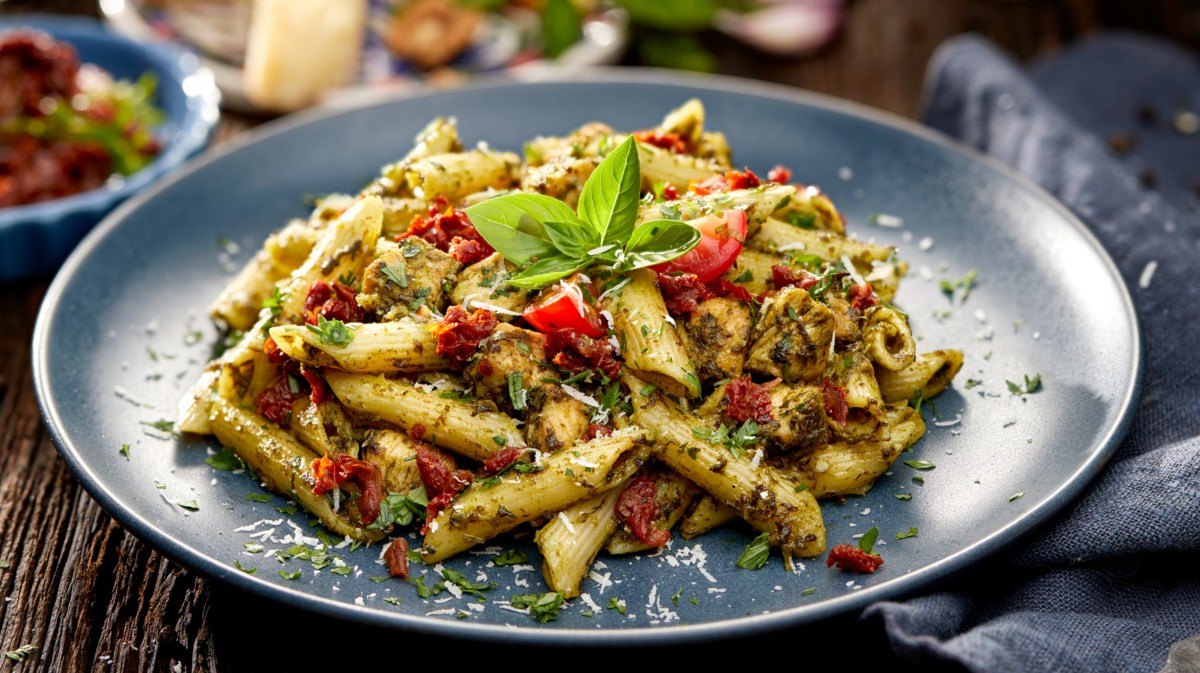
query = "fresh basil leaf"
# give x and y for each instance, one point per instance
(573, 238)
(659, 241)
(512, 224)
(545, 271)
(609, 200)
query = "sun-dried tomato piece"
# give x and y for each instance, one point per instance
(862, 297)
(637, 506)
(330, 473)
(669, 192)
(316, 383)
(746, 400)
(683, 292)
(672, 142)
(275, 403)
(436, 504)
(851, 558)
(783, 276)
(780, 175)
(446, 228)
(574, 351)
(397, 558)
(333, 301)
(440, 473)
(502, 458)
(595, 430)
(459, 333)
(836, 406)
(730, 181)
(417, 431)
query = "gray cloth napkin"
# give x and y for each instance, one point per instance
(1114, 581)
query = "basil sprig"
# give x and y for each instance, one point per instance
(551, 241)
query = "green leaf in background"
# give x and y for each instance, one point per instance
(512, 224)
(546, 271)
(572, 238)
(681, 52)
(671, 14)
(659, 241)
(610, 197)
(562, 26)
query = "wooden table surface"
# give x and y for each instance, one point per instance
(93, 597)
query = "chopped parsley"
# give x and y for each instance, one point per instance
(290, 575)
(809, 591)
(258, 497)
(965, 284)
(516, 391)
(21, 652)
(736, 440)
(675, 596)
(754, 556)
(616, 604)
(249, 571)
(920, 464)
(912, 532)
(509, 557)
(396, 274)
(226, 460)
(971, 383)
(1032, 385)
(401, 509)
(274, 303)
(1016, 496)
(162, 425)
(867, 541)
(544, 608)
(391, 600)
(903, 496)
(419, 298)
(124, 451)
(253, 547)
(190, 505)
(802, 220)
(331, 332)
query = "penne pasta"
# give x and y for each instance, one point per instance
(376, 348)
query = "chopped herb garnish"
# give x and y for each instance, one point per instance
(509, 557)
(342, 570)
(867, 541)
(419, 298)
(616, 604)
(648, 389)
(124, 451)
(253, 547)
(675, 596)
(920, 464)
(516, 391)
(162, 425)
(918, 480)
(1032, 385)
(258, 497)
(745, 277)
(903, 496)
(401, 509)
(912, 532)
(397, 274)
(500, 440)
(1016, 496)
(348, 279)
(380, 579)
(391, 600)
(809, 591)
(965, 283)
(288, 510)
(544, 608)
(331, 332)
(754, 556)
(971, 383)
(190, 505)
(800, 488)
(249, 571)
(290, 575)
(21, 652)
(800, 219)
(226, 460)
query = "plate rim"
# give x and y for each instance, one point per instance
(907, 585)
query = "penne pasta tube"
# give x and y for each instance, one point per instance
(344, 249)
(706, 514)
(779, 236)
(376, 348)
(439, 136)
(324, 428)
(650, 344)
(464, 427)
(459, 174)
(758, 202)
(809, 208)
(765, 498)
(281, 462)
(752, 269)
(887, 339)
(570, 541)
(484, 511)
(659, 165)
(929, 374)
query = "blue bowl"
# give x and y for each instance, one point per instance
(36, 238)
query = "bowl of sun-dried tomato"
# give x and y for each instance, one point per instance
(87, 118)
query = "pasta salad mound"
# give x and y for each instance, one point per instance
(614, 339)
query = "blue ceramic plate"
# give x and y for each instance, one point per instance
(36, 238)
(123, 333)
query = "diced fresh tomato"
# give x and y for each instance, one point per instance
(722, 237)
(562, 306)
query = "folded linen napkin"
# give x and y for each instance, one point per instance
(1114, 581)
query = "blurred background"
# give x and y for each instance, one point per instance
(871, 51)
